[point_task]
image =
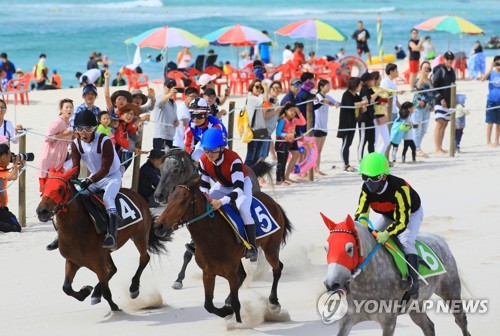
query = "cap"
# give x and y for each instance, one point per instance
(449, 55)
(89, 88)
(209, 92)
(295, 81)
(366, 77)
(155, 154)
(123, 93)
(205, 79)
(114, 116)
(20, 70)
(138, 92)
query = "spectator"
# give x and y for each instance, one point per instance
(341, 54)
(211, 58)
(118, 99)
(400, 53)
(146, 103)
(361, 35)
(104, 120)
(210, 96)
(92, 63)
(298, 54)
(259, 69)
(41, 71)
(118, 81)
(424, 104)
(429, 52)
(443, 77)
(149, 177)
(291, 96)
(8, 221)
(399, 128)
(287, 54)
(389, 85)
(56, 79)
(165, 117)
(264, 53)
(92, 76)
(244, 60)
(347, 118)
(208, 82)
(366, 119)
(184, 58)
(7, 66)
(128, 134)
(183, 116)
(271, 115)
(414, 49)
(7, 131)
(257, 95)
(89, 95)
(55, 148)
(493, 102)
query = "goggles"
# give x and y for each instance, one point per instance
(86, 129)
(198, 116)
(212, 151)
(367, 178)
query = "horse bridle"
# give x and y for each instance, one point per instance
(176, 158)
(63, 206)
(209, 211)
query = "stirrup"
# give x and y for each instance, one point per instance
(252, 254)
(109, 242)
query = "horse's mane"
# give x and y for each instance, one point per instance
(177, 152)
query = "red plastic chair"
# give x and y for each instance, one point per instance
(135, 80)
(20, 84)
(460, 65)
(221, 78)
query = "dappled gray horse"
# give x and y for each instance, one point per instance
(178, 168)
(380, 280)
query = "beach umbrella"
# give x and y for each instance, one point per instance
(451, 24)
(380, 40)
(312, 30)
(237, 35)
(166, 37)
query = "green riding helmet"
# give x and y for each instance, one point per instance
(374, 164)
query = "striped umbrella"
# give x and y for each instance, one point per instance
(380, 40)
(237, 35)
(166, 37)
(312, 30)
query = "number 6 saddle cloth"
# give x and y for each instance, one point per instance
(265, 224)
(127, 212)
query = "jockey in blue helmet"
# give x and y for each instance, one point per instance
(232, 183)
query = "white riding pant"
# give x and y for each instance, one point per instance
(243, 203)
(409, 235)
(111, 185)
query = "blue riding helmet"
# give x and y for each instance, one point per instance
(213, 138)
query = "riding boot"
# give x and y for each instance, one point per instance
(191, 247)
(55, 243)
(251, 253)
(413, 290)
(110, 239)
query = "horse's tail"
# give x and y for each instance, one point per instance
(156, 245)
(262, 168)
(288, 227)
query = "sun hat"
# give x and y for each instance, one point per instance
(129, 107)
(123, 93)
(138, 92)
(205, 79)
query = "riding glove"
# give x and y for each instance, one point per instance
(84, 184)
(382, 236)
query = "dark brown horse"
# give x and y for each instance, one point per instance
(217, 251)
(80, 244)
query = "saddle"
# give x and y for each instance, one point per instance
(265, 224)
(127, 212)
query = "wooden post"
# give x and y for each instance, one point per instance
(22, 187)
(309, 110)
(136, 168)
(230, 124)
(389, 125)
(453, 105)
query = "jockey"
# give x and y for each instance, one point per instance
(232, 183)
(96, 150)
(398, 203)
(201, 120)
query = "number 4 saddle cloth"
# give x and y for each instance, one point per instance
(265, 224)
(127, 212)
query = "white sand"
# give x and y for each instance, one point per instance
(460, 198)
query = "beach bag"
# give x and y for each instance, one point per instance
(244, 129)
(260, 133)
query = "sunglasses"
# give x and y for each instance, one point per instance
(497, 64)
(3, 108)
(198, 116)
(297, 84)
(258, 87)
(86, 129)
(371, 178)
(212, 151)
(277, 88)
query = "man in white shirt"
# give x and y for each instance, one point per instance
(183, 116)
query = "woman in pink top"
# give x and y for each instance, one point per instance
(290, 117)
(55, 152)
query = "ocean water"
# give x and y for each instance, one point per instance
(68, 30)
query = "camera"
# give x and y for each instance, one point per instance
(180, 89)
(22, 157)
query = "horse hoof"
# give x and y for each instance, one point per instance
(274, 308)
(177, 285)
(134, 295)
(95, 300)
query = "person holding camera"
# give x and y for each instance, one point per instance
(165, 117)
(8, 221)
(7, 130)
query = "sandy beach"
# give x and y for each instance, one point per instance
(459, 196)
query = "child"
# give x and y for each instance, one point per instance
(399, 127)
(321, 110)
(8, 221)
(460, 120)
(104, 121)
(113, 124)
(128, 133)
(210, 96)
(290, 117)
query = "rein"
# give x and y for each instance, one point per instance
(58, 208)
(209, 212)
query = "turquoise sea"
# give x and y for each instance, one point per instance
(68, 30)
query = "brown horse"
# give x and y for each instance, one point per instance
(217, 251)
(80, 244)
